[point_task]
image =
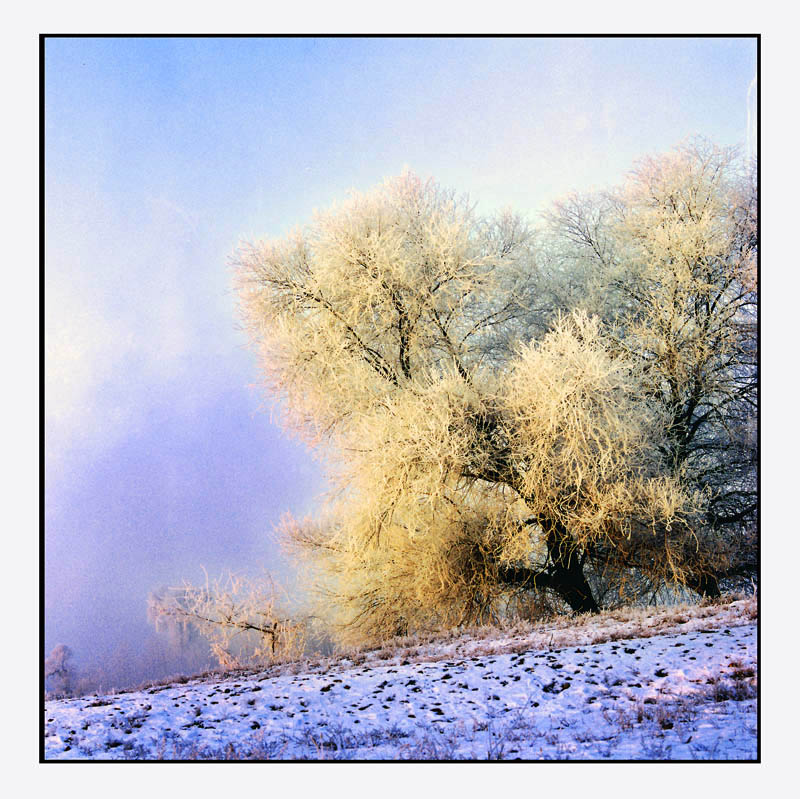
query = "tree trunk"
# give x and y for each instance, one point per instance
(564, 575)
(704, 584)
(575, 591)
(568, 579)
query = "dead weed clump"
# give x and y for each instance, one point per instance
(738, 682)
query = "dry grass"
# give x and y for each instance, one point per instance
(556, 633)
(563, 632)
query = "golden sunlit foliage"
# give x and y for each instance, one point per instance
(669, 262)
(505, 416)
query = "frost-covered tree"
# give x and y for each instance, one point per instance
(59, 672)
(486, 445)
(669, 261)
(238, 617)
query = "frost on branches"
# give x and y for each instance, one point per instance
(519, 420)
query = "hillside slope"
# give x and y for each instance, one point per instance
(688, 691)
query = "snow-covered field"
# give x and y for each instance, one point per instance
(688, 693)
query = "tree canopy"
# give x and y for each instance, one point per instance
(518, 418)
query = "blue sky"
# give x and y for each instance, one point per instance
(163, 154)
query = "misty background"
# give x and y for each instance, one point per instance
(162, 155)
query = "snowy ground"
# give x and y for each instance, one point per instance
(681, 695)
